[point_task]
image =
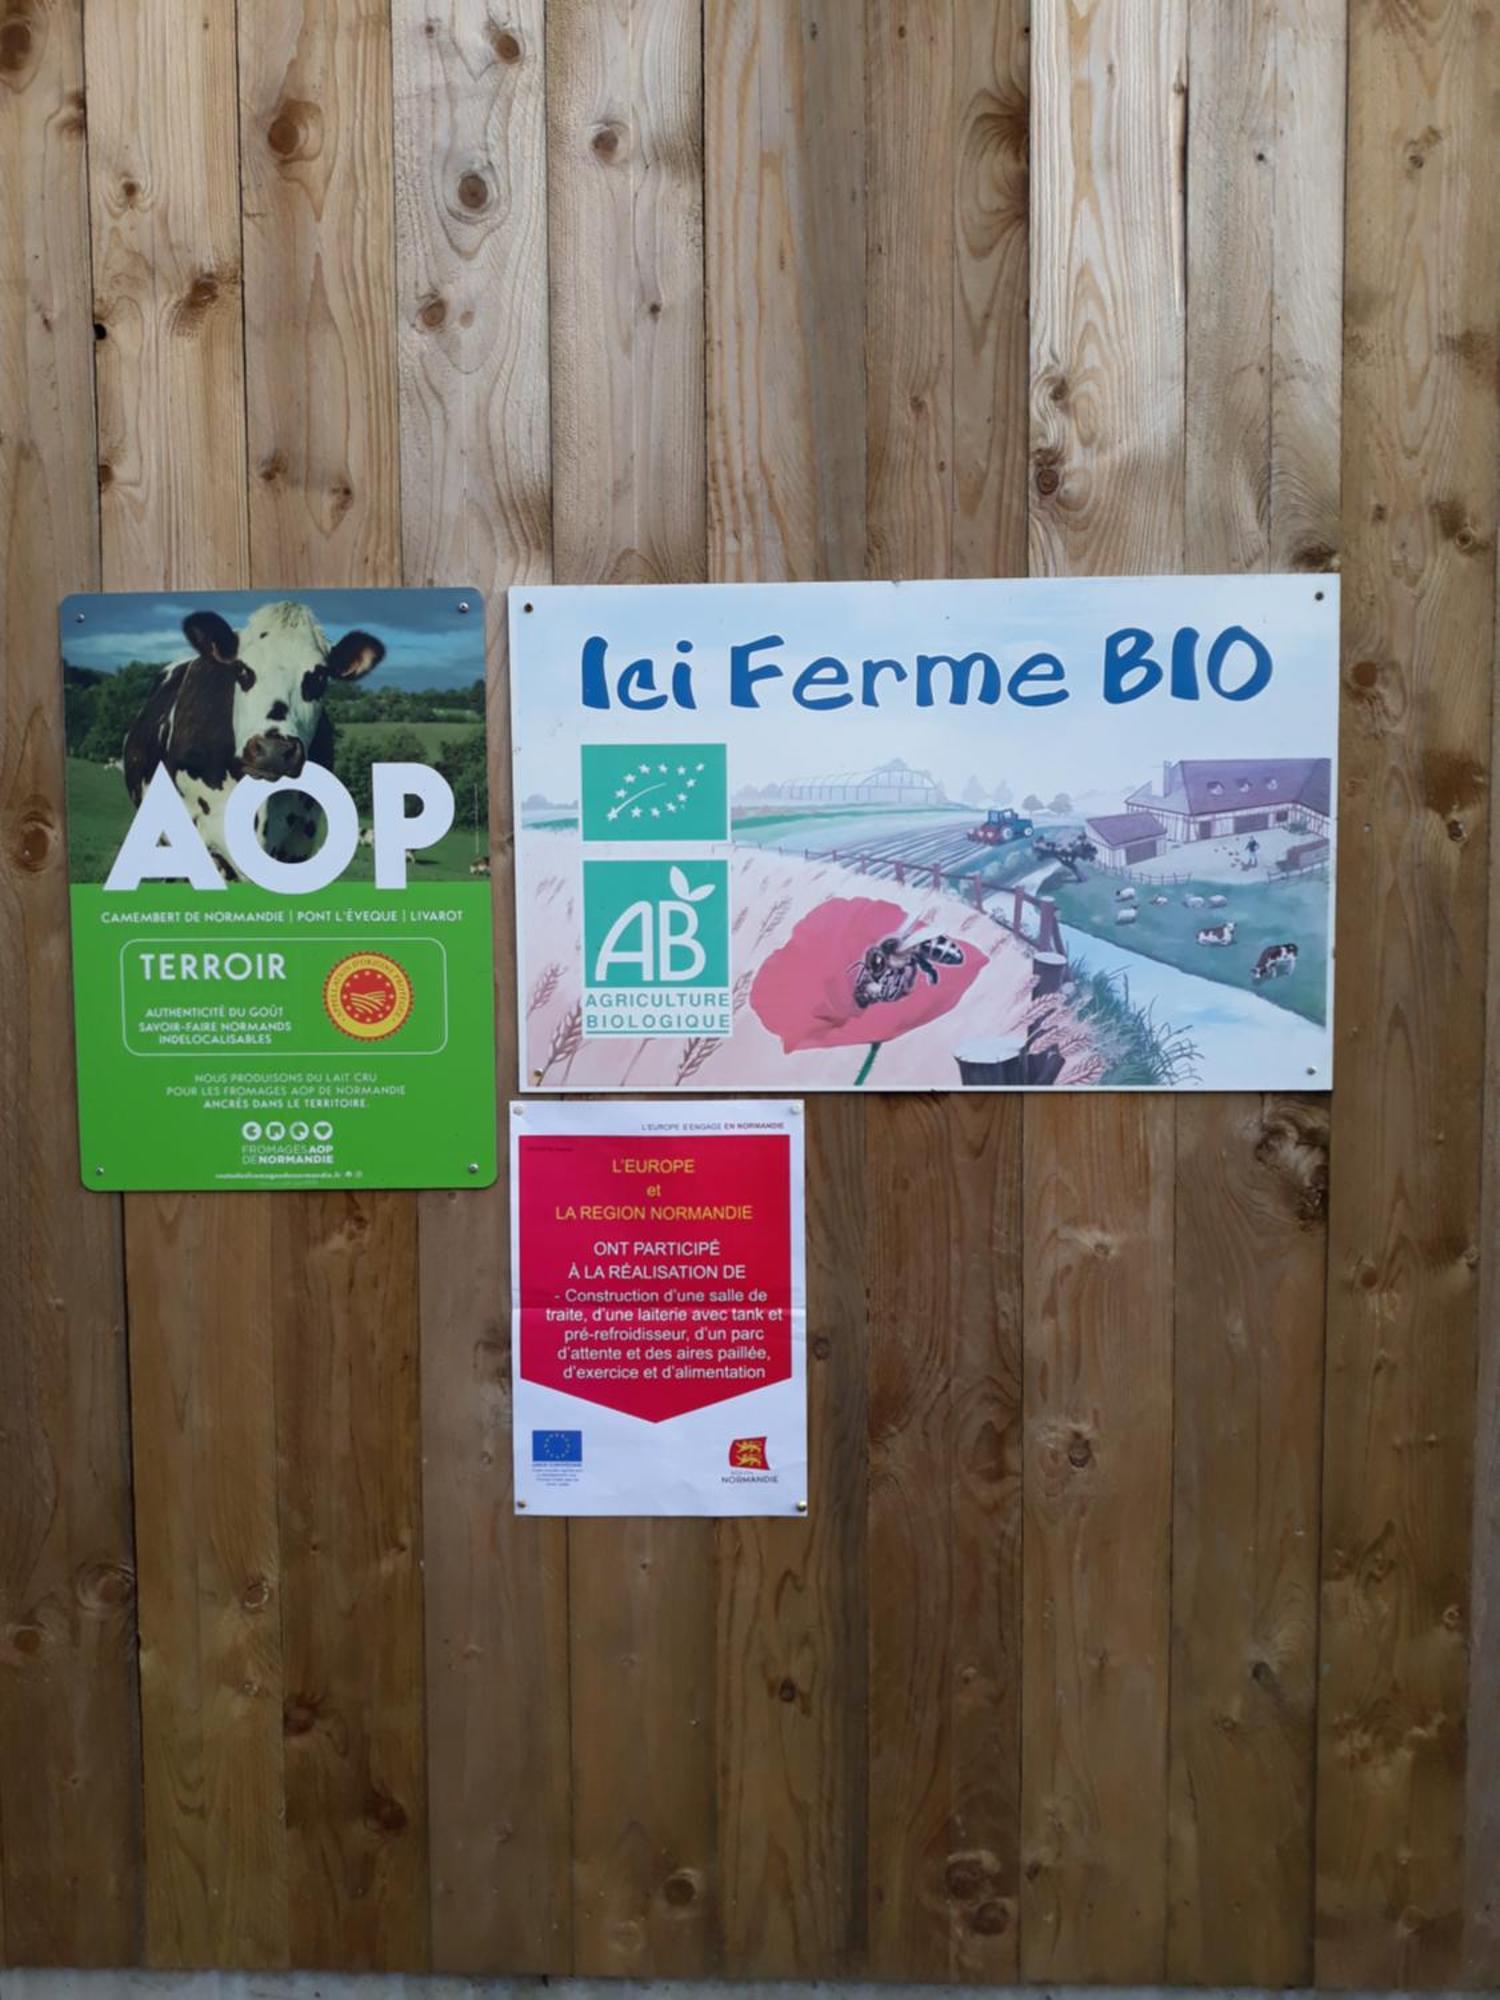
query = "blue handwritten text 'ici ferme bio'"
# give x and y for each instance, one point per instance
(1235, 666)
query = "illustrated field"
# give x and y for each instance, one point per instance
(1263, 912)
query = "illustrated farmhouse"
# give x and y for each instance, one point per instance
(1209, 798)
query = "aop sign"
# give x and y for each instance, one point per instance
(1067, 834)
(279, 859)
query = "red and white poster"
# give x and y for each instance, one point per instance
(658, 1299)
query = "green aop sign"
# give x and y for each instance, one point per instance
(278, 850)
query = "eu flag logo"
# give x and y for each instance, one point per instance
(557, 1447)
(654, 791)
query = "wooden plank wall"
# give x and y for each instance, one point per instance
(1147, 1620)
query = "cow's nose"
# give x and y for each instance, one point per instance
(290, 750)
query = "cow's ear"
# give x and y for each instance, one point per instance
(211, 636)
(355, 655)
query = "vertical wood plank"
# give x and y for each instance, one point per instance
(625, 113)
(70, 1844)
(1108, 412)
(471, 221)
(1420, 447)
(170, 376)
(625, 203)
(1252, 1191)
(1098, 1233)
(1264, 269)
(784, 249)
(785, 254)
(946, 298)
(1481, 1965)
(325, 508)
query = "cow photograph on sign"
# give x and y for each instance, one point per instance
(976, 835)
(278, 841)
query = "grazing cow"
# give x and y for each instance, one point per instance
(367, 836)
(1160, 902)
(480, 865)
(1124, 895)
(1275, 962)
(1216, 934)
(1126, 916)
(248, 704)
(1217, 902)
(1192, 902)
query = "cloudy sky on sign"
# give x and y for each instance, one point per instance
(429, 642)
(1082, 746)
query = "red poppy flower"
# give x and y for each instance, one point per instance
(805, 990)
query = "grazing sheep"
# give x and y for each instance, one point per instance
(1159, 902)
(1192, 902)
(1126, 916)
(1217, 902)
(1124, 895)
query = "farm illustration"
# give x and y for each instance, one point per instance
(894, 929)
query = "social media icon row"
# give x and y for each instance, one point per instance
(276, 1129)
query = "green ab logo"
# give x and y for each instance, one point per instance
(655, 923)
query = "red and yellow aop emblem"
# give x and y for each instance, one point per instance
(367, 995)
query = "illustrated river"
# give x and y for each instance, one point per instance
(1241, 1039)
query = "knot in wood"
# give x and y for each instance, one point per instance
(15, 46)
(104, 1586)
(964, 1877)
(384, 1813)
(34, 837)
(822, 1346)
(296, 130)
(473, 191)
(991, 1919)
(256, 1594)
(506, 43)
(1080, 1452)
(681, 1887)
(787, 1691)
(607, 141)
(432, 313)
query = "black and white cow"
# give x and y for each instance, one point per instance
(1275, 962)
(1217, 934)
(247, 704)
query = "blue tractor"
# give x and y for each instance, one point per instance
(1002, 825)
